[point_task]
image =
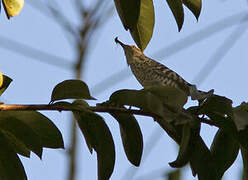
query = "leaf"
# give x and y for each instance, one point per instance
(194, 6)
(141, 99)
(98, 137)
(185, 149)
(1, 79)
(128, 11)
(174, 175)
(12, 7)
(217, 104)
(21, 132)
(244, 153)
(131, 136)
(5, 84)
(142, 32)
(49, 134)
(173, 97)
(176, 7)
(71, 89)
(11, 167)
(224, 150)
(18, 146)
(240, 119)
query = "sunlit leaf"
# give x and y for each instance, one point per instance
(11, 167)
(49, 134)
(6, 82)
(143, 31)
(224, 150)
(12, 7)
(21, 131)
(98, 137)
(1, 79)
(194, 6)
(71, 89)
(131, 135)
(185, 149)
(128, 11)
(176, 7)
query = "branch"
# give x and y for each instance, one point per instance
(101, 109)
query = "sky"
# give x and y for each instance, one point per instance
(186, 52)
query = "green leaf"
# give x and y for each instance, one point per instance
(17, 145)
(21, 131)
(131, 135)
(98, 137)
(11, 167)
(142, 32)
(128, 11)
(5, 84)
(171, 96)
(224, 150)
(174, 175)
(194, 6)
(71, 89)
(176, 7)
(240, 119)
(217, 104)
(244, 152)
(185, 149)
(143, 100)
(49, 134)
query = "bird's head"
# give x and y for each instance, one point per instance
(131, 52)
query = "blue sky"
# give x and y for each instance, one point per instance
(34, 79)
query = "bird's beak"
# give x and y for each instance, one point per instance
(119, 42)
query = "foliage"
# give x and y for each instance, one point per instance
(25, 131)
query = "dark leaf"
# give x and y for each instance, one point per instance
(240, 118)
(128, 11)
(217, 104)
(21, 131)
(5, 84)
(98, 137)
(131, 135)
(143, 100)
(142, 32)
(224, 150)
(49, 134)
(11, 167)
(171, 96)
(176, 7)
(185, 149)
(17, 145)
(244, 152)
(174, 175)
(71, 89)
(194, 6)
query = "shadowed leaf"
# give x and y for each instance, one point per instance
(5, 84)
(71, 89)
(194, 6)
(49, 134)
(142, 32)
(174, 175)
(217, 104)
(244, 152)
(11, 167)
(171, 96)
(185, 149)
(128, 11)
(131, 135)
(17, 145)
(176, 7)
(21, 131)
(98, 137)
(224, 150)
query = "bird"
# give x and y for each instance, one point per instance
(149, 72)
